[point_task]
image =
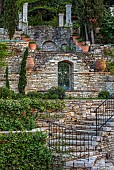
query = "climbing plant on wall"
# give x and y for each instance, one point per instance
(22, 76)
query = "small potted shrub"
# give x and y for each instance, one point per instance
(25, 37)
(32, 45)
(85, 48)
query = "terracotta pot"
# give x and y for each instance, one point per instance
(26, 39)
(32, 46)
(29, 64)
(81, 43)
(85, 48)
(100, 65)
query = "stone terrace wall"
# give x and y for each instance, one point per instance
(84, 81)
(13, 65)
(50, 38)
(81, 108)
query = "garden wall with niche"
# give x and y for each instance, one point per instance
(50, 38)
(84, 81)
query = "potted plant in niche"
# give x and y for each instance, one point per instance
(32, 45)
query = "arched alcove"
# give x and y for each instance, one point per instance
(49, 46)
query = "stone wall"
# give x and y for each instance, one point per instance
(81, 108)
(50, 38)
(84, 82)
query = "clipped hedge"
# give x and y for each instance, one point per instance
(22, 114)
(24, 151)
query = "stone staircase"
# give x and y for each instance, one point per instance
(74, 142)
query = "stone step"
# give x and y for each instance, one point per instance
(71, 142)
(72, 149)
(73, 136)
(82, 163)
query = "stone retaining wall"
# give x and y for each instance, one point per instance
(50, 38)
(84, 82)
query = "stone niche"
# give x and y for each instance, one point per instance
(49, 46)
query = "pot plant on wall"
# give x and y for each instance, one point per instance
(25, 37)
(32, 45)
(85, 48)
(29, 64)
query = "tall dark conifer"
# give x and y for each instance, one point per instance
(7, 80)
(22, 76)
(10, 16)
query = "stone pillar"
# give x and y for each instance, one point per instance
(61, 19)
(112, 11)
(68, 15)
(20, 21)
(25, 18)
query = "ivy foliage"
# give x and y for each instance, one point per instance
(3, 54)
(24, 151)
(22, 114)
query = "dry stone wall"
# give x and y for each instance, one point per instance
(50, 38)
(84, 81)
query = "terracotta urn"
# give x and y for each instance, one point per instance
(29, 64)
(27, 39)
(32, 45)
(100, 65)
(85, 48)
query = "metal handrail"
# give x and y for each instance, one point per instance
(104, 112)
(68, 140)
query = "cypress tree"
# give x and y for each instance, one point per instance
(7, 80)
(10, 16)
(22, 76)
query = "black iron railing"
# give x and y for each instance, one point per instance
(69, 142)
(104, 112)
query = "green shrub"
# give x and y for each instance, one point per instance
(22, 114)
(24, 151)
(5, 92)
(16, 115)
(57, 92)
(103, 94)
(16, 96)
(34, 94)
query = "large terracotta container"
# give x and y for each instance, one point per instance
(85, 48)
(29, 64)
(32, 46)
(100, 65)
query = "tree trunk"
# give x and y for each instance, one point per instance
(92, 36)
(86, 33)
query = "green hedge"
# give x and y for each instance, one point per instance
(22, 114)
(24, 151)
